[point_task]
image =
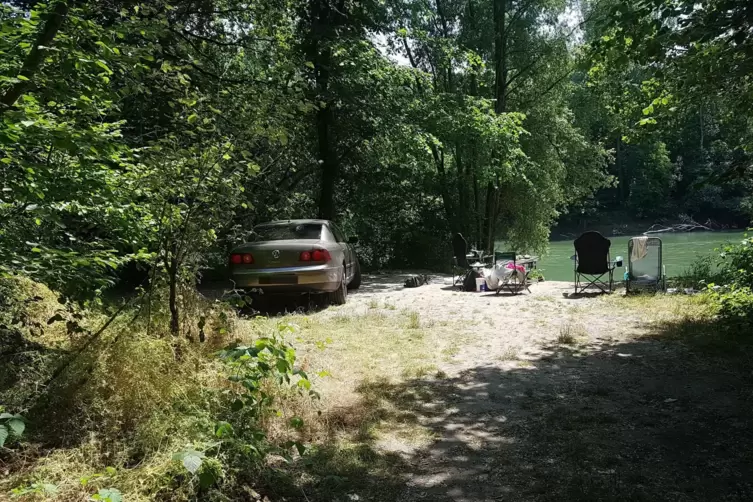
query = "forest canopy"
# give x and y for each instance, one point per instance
(154, 135)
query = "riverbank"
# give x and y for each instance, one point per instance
(620, 223)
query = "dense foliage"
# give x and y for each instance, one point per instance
(143, 140)
(672, 79)
(131, 130)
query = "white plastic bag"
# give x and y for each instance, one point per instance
(492, 280)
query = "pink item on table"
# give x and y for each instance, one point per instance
(519, 268)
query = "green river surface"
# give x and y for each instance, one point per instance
(679, 250)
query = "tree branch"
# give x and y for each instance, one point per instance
(518, 14)
(548, 89)
(36, 55)
(214, 41)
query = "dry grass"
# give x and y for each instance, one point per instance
(351, 349)
(570, 334)
(130, 396)
(414, 320)
(510, 353)
(661, 306)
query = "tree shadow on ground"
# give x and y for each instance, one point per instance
(665, 417)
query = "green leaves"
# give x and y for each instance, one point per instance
(108, 495)
(16, 426)
(251, 370)
(190, 459)
(103, 66)
(223, 429)
(11, 427)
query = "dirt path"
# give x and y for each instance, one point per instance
(476, 397)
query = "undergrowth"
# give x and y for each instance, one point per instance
(136, 413)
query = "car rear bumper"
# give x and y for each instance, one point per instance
(317, 279)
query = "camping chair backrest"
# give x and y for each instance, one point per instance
(646, 267)
(592, 253)
(460, 250)
(505, 256)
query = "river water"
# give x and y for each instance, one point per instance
(679, 249)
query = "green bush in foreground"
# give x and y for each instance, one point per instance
(734, 297)
(735, 304)
(737, 263)
(143, 415)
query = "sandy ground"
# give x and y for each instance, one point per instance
(541, 397)
(526, 322)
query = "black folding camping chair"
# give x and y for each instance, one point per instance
(593, 267)
(460, 266)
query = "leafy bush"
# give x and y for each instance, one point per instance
(11, 426)
(737, 263)
(735, 299)
(699, 273)
(735, 305)
(139, 397)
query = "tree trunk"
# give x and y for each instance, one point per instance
(443, 187)
(171, 267)
(462, 213)
(621, 181)
(500, 56)
(477, 212)
(36, 55)
(472, 164)
(700, 120)
(324, 120)
(324, 21)
(500, 106)
(489, 223)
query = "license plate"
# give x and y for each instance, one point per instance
(279, 279)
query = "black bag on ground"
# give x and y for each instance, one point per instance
(469, 283)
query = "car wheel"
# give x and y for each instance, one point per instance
(340, 296)
(355, 283)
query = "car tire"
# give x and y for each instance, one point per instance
(355, 283)
(340, 296)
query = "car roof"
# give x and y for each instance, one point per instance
(294, 222)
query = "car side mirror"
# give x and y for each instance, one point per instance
(353, 240)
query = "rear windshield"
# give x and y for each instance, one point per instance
(286, 231)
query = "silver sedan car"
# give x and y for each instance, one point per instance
(297, 256)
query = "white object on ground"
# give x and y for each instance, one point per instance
(492, 281)
(503, 273)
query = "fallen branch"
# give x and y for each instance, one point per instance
(680, 227)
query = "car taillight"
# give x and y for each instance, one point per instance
(320, 255)
(237, 259)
